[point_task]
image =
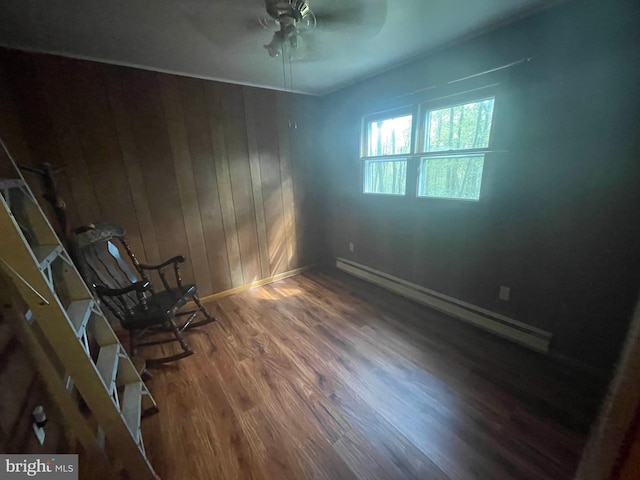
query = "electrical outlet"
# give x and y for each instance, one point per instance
(351, 247)
(504, 293)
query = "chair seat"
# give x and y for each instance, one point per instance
(161, 307)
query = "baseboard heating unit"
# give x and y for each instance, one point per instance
(532, 337)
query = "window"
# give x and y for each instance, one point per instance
(456, 139)
(387, 141)
(451, 177)
(388, 176)
(441, 157)
(389, 136)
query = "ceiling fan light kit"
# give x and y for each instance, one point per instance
(290, 16)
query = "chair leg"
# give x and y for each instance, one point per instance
(204, 310)
(155, 362)
(188, 324)
(178, 334)
(208, 318)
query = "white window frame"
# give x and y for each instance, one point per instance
(421, 138)
(419, 111)
(403, 157)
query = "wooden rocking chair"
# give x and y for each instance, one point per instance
(129, 293)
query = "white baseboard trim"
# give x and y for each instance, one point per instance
(527, 335)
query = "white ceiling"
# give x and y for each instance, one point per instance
(222, 39)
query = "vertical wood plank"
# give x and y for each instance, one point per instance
(10, 125)
(239, 172)
(305, 180)
(214, 122)
(131, 162)
(96, 130)
(144, 105)
(256, 179)
(76, 170)
(283, 115)
(271, 182)
(39, 134)
(182, 162)
(211, 201)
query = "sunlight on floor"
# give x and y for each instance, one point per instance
(287, 292)
(282, 292)
(263, 294)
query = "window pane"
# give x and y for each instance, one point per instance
(459, 127)
(385, 177)
(389, 136)
(451, 177)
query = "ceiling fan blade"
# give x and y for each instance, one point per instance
(367, 15)
(339, 23)
(203, 6)
(206, 17)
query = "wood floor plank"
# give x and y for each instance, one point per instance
(289, 410)
(241, 396)
(324, 376)
(385, 438)
(274, 452)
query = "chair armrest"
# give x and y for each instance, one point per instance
(138, 287)
(176, 259)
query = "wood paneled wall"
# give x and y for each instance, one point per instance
(558, 220)
(218, 172)
(21, 387)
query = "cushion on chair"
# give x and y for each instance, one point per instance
(162, 307)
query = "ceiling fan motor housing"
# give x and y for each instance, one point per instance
(291, 9)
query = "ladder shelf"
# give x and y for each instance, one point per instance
(36, 266)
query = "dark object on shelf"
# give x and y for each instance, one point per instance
(51, 194)
(129, 293)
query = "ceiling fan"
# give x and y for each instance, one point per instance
(307, 30)
(294, 20)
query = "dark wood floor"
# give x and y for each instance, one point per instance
(323, 376)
